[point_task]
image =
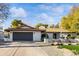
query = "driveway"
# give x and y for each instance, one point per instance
(32, 49)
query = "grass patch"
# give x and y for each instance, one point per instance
(73, 48)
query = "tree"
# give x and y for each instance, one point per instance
(46, 25)
(65, 23)
(16, 23)
(4, 12)
(52, 26)
(75, 27)
(57, 25)
(71, 21)
(40, 24)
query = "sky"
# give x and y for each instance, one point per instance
(34, 13)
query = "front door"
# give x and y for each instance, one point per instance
(54, 35)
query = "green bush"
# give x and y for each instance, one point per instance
(70, 37)
(73, 37)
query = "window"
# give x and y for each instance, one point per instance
(54, 35)
(77, 33)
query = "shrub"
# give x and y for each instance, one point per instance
(70, 37)
(62, 37)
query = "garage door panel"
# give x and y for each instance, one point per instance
(23, 36)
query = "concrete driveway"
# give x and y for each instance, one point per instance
(32, 49)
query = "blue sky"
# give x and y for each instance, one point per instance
(33, 13)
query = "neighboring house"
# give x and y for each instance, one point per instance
(1, 35)
(57, 33)
(25, 33)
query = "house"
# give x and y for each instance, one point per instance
(1, 35)
(57, 33)
(24, 33)
(42, 28)
(28, 33)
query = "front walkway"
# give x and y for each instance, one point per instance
(32, 49)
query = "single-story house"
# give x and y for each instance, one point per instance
(1, 35)
(58, 33)
(25, 33)
(28, 33)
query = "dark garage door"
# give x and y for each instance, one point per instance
(23, 36)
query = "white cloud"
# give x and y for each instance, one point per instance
(55, 10)
(45, 7)
(58, 9)
(18, 12)
(44, 18)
